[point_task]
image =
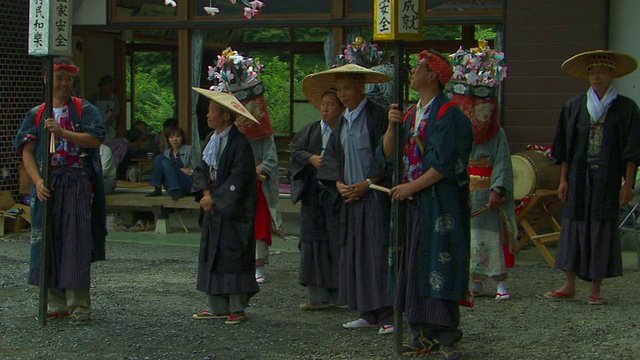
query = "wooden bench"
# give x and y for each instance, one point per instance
(131, 197)
(160, 206)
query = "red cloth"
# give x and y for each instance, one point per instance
(509, 258)
(483, 114)
(480, 171)
(258, 108)
(263, 218)
(439, 64)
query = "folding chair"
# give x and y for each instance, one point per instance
(633, 216)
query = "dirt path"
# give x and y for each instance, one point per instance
(144, 295)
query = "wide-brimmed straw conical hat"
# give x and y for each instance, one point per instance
(314, 90)
(315, 85)
(227, 101)
(578, 65)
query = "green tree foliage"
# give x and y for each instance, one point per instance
(275, 77)
(154, 99)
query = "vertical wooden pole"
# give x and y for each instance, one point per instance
(46, 170)
(400, 206)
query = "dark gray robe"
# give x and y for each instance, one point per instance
(319, 235)
(590, 241)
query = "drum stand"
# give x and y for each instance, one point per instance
(537, 215)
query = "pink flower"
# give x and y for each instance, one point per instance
(250, 12)
(256, 4)
(232, 1)
(221, 61)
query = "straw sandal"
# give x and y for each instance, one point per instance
(236, 318)
(206, 314)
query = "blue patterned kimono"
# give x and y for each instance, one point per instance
(89, 122)
(444, 227)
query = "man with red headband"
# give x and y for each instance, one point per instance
(76, 192)
(434, 275)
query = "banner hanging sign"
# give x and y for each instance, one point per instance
(50, 27)
(398, 19)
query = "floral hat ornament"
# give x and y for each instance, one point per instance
(251, 8)
(481, 66)
(240, 76)
(477, 74)
(360, 52)
(233, 72)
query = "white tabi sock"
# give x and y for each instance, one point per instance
(502, 287)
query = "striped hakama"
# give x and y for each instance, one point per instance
(71, 240)
(424, 314)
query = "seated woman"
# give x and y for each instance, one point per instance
(174, 167)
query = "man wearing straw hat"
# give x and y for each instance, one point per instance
(226, 178)
(597, 144)
(319, 235)
(434, 275)
(350, 166)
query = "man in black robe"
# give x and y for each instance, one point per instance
(226, 179)
(319, 235)
(598, 146)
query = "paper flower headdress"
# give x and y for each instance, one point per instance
(360, 52)
(233, 71)
(481, 66)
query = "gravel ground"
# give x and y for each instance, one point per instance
(144, 295)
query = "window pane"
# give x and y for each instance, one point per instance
(486, 32)
(276, 78)
(311, 34)
(303, 114)
(361, 6)
(304, 65)
(266, 35)
(144, 8)
(154, 98)
(297, 7)
(442, 32)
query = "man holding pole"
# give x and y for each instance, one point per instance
(434, 274)
(75, 194)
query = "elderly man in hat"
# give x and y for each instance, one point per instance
(434, 275)
(350, 166)
(597, 144)
(319, 235)
(226, 180)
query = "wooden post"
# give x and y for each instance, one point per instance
(398, 20)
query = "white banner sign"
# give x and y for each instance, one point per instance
(50, 27)
(409, 17)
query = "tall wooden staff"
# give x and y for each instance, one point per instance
(398, 20)
(49, 36)
(49, 141)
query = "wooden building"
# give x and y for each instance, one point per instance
(535, 35)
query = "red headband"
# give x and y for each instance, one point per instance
(438, 64)
(72, 69)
